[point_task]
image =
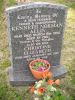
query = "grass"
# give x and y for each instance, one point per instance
(5, 63)
(8, 92)
(69, 3)
(1, 6)
(12, 2)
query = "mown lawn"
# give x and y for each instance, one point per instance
(8, 92)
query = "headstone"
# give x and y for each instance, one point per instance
(35, 31)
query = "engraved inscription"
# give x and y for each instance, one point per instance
(37, 39)
(36, 33)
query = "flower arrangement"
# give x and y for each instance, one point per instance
(39, 67)
(47, 89)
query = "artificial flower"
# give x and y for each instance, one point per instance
(51, 82)
(42, 89)
(41, 81)
(36, 82)
(57, 82)
(32, 89)
(44, 76)
(46, 89)
(41, 69)
(39, 93)
(48, 97)
(49, 74)
(36, 92)
(36, 98)
(53, 89)
(38, 85)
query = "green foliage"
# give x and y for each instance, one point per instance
(6, 63)
(38, 65)
(1, 5)
(48, 88)
(72, 72)
(58, 93)
(60, 98)
(56, 98)
(7, 93)
(72, 5)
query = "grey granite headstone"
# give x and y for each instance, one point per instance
(35, 31)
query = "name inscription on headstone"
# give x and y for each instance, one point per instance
(36, 32)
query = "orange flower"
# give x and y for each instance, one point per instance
(51, 82)
(57, 82)
(49, 74)
(44, 75)
(42, 89)
(32, 89)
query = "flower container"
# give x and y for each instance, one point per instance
(39, 71)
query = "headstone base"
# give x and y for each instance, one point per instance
(20, 78)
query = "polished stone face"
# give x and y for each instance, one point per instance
(35, 31)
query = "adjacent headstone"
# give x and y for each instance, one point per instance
(35, 31)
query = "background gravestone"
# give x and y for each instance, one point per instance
(35, 31)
